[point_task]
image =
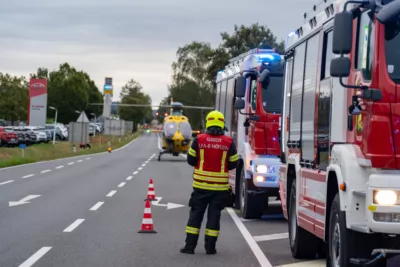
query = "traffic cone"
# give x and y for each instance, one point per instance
(151, 195)
(147, 222)
(109, 150)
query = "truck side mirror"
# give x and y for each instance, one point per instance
(239, 104)
(388, 12)
(342, 33)
(340, 67)
(264, 79)
(240, 87)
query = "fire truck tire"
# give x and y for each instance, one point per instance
(303, 244)
(251, 206)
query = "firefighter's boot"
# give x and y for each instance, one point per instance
(209, 244)
(190, 244)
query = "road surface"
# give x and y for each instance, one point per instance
(86, 211)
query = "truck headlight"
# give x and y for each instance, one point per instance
(385, 197)
(261, 168)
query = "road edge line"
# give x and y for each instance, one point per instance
(260, 256)
(53, 160)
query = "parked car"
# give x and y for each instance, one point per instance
(23, 138)
(8, 138)
(41, 136)
(61, 131)
(32, 136)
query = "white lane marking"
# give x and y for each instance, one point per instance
(73, 225)
(111, 193)
(183, 155)
(27, 176)
(7, 182)
(314, 263)
(59, 167)
(143, 165)
(129, 178)
(80, 160)
(97, 206)
(35, 257)
(53, 160)
(135, 172)
(121, 184)
(262, 259)
(271, 237)
(71, 163)
(140, 168)
(45, 171)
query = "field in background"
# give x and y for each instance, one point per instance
(41, 152)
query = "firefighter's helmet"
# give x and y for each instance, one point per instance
(215, 118)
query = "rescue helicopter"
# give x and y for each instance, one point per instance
(176, 133)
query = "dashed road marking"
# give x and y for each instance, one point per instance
(7, 182)
(59, 167)
(73, 225)
(35, 257)
(97, 206)
(129, 178)
(262, 259)
(71, 163)
(111, 193)
(87, 158)
(271, 237)
(143, 165)
(80, 160)
(140, 168)
(45, 171)
(314, 263)
(135, 172)
(121, 184)
(27, 176)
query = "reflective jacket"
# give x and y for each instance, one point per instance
(212, 155)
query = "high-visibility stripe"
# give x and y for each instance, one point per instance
(192, 152)
(201, 159)
(212, 187)
(234, 157)
(210, 232)
(211, 179)
(215, 174)
(192, 230)
(223, 161)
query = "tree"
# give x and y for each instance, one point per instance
(131, 93)
(70, 90)
(13, 97)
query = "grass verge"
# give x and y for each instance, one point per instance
(42, 152)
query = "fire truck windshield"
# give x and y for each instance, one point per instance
(392, 44)
(272, 97)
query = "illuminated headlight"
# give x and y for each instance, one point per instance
(385, 197)
(265, 169)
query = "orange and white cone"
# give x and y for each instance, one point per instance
(147, 223)
(151, 195)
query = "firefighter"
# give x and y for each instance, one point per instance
(212, 154)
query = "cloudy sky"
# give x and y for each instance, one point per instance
(127, 39)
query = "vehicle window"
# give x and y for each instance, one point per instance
(170, 129)
(308, 106)
(272, 97)
(229, 102)
(222, 100)
(218, 92)
(185, 130)
(297, 90)
(328, 55)
(365, 45)
(253, 95)
(392, 44)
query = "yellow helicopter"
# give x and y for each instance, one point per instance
(176, 133)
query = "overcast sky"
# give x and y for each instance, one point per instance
(127, 39)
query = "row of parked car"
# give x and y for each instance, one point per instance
(13, 136)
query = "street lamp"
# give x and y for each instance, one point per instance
(55, 123)
(81, 112)
(95, 120)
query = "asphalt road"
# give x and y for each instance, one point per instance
(86, 211)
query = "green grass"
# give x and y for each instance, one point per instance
(42, 152)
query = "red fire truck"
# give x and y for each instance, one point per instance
(340, 176)
(257, 77)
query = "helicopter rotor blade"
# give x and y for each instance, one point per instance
(159, 106)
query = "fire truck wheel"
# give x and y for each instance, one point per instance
(303, 244)
(251, 206)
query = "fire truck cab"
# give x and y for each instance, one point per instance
(249, 93)
(340, 174)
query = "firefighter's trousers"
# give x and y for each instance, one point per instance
(199, 201)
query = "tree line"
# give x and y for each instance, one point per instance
(197, 64)
(69, 90)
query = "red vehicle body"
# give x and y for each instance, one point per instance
(8, 138)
